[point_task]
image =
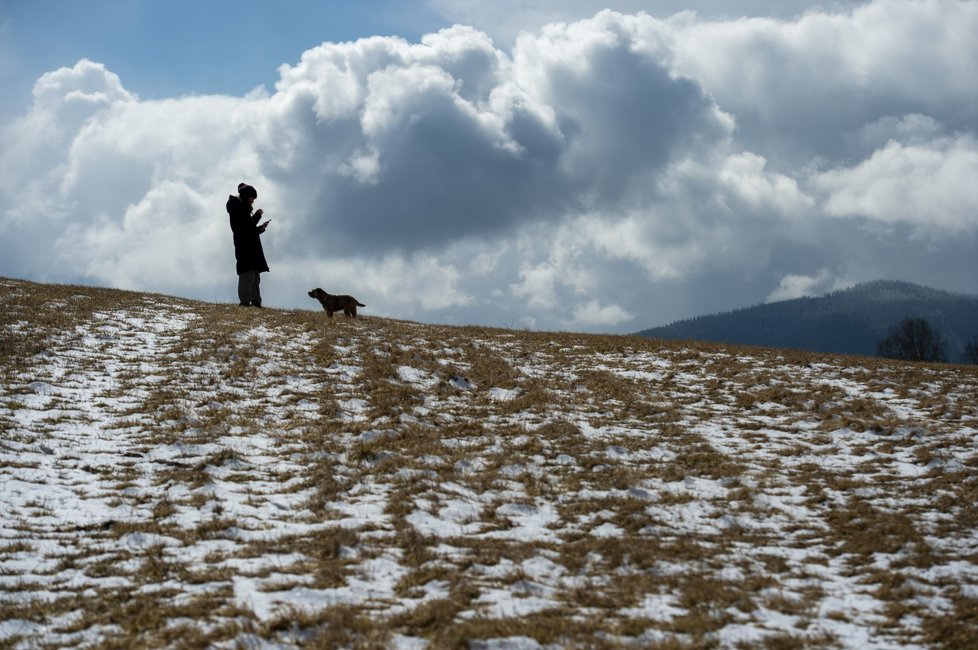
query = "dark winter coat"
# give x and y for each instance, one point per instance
(247, 236)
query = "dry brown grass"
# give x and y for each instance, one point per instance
(275, 454)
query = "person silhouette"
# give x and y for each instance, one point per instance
(248, 254)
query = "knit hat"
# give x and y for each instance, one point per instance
(245, 190)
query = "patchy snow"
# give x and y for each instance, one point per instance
(239, 485)
(497, 394)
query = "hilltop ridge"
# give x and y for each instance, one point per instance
(848, 321)
(184, 474)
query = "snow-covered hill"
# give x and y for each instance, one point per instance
(181, 474)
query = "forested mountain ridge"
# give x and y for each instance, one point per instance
(849, 321)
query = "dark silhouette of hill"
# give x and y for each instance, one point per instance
(850, 321)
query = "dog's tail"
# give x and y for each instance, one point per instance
(359, 304)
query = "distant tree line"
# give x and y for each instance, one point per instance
(971, 351)
(913, 339)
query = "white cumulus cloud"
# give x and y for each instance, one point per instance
(615, 171)
(802, 286)
(930, 186)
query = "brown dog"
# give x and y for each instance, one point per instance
(347, 304)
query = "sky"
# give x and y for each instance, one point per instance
(572, 165)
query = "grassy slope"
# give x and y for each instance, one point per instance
(197, 464)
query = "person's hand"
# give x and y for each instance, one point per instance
(259, 212)
(262, 226)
